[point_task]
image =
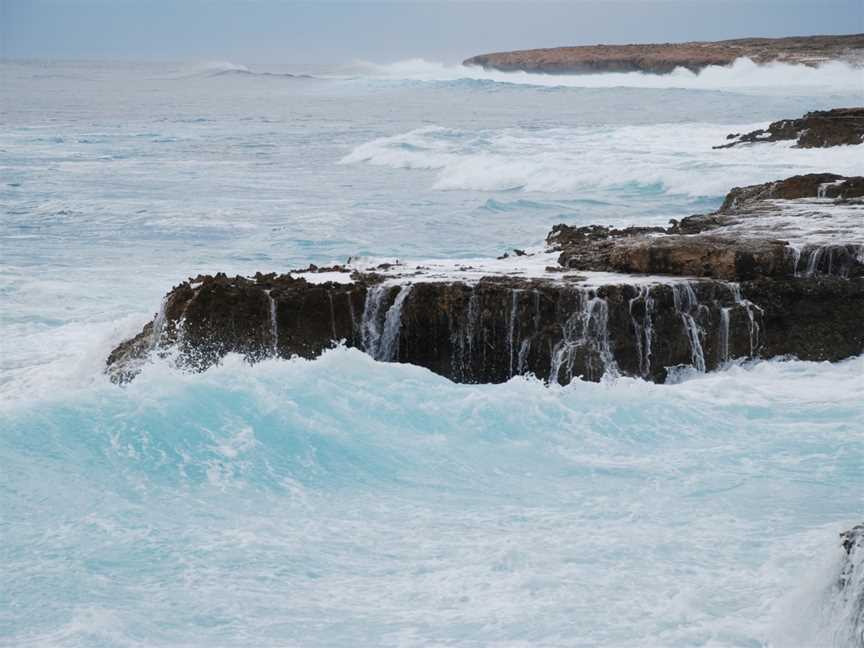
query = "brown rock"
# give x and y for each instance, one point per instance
(662, 58)
(474, 328)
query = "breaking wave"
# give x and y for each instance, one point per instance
(336, 500)
(216, 67)
(228, 69)
(653, 158)
(345, 501)
(743, 75)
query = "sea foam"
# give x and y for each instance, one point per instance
(345, 501)
(590, 159)
(269, 500)
(742, 75)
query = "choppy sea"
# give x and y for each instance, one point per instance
(347, 502)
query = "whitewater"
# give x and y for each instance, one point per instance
(346, 501)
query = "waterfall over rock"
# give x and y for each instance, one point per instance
(596, 303)
(848, 603)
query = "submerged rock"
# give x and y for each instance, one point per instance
(818, 129)
(598, 301)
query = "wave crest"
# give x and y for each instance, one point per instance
(653, 159)
(743, 74)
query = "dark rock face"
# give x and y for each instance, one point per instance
(493, 330)
(819, 129)
(206, 318)
(663, 58)
(721, 289)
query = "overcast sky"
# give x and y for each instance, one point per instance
(282, 31)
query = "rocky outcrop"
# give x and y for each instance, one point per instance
(798, 226)
(811, 185)
(598, 301)
(492, 330)
(818, 129)
(665, 57)
(203, 319)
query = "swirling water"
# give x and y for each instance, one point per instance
(347, 501)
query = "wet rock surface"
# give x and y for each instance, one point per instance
(598, 301)
(662, 58)
(818, 129)
(802, 225)
(811, 185)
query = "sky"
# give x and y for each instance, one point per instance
(330, 32)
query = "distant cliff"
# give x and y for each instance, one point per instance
(662, 58)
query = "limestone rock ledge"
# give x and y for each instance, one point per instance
(778, 270)
(662, 58)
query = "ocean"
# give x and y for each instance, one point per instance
(345, 501)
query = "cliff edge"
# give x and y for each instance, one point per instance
(662, 58)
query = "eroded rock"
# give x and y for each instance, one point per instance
(662, 58)
(776, 271)
(803, 225)
(818, 129)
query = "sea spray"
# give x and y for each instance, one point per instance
(344, 501)
(742, 76)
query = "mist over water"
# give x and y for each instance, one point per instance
(347, 501)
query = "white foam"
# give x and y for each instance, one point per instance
(812, 613)
(743, 74)
(534, 264)
(586, 160)
(808, 221)
(532, 510)
(324, 277)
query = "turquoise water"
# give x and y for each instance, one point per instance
(349, 502)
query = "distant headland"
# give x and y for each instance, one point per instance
(662, 58)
